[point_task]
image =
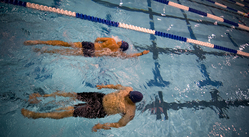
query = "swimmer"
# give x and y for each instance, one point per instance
(101, 47)
(98, 105)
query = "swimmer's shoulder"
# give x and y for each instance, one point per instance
(125, 90)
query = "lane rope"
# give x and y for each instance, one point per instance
(176, 5)
(240, 4)
(226, 7)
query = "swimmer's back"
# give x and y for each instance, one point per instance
(115, 102)
(109, 43)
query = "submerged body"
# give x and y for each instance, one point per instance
(97, 105)
(101, 47)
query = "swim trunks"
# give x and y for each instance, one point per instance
(88, 49)
(93, 108)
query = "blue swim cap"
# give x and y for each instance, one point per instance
(124, 46)
(136, 96)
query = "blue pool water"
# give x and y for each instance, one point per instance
(188, 90)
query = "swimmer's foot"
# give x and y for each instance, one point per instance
(32, 42)
(33, 98)
(28, 114)
(37, 50)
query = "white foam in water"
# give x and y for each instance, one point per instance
(191, 80)
(116, 38)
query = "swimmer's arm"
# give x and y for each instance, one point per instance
(135, 54)
(101, 39)
(121, 123)
(111, 86)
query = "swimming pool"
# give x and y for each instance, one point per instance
(189, 90)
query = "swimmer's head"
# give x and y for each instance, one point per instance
(124, 46)
(136, 96)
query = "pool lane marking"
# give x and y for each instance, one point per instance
(153, 38)
(123, 25)
(197, 48)
(176, 5)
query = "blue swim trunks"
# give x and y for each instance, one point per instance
(88, 49)
(93, 108)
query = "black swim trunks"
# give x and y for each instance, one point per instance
(88, 49)
(93, 108)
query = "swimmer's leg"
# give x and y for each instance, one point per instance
(55, 115)
(65, 108)
(53, 43)
(75, 52)
(33, 97)
(62, 93)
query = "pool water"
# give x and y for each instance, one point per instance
(189, 90)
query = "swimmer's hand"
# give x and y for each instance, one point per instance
(97, 39)
(145, 52)
(31, 42)
(105, 126)
(99, 86)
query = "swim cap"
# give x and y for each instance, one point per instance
(124, 46)
(136, 96)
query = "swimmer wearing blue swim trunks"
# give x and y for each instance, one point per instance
(98, 105)
(101, 47)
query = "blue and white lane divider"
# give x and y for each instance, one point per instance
(240, 4)
(224, 6)
(203, 14)
(122, 25)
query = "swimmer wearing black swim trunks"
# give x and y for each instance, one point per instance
(101, 47)
(98, 105)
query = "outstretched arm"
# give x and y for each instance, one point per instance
(136, 54)
(118, 86)
(101, 39)
(122, 122)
